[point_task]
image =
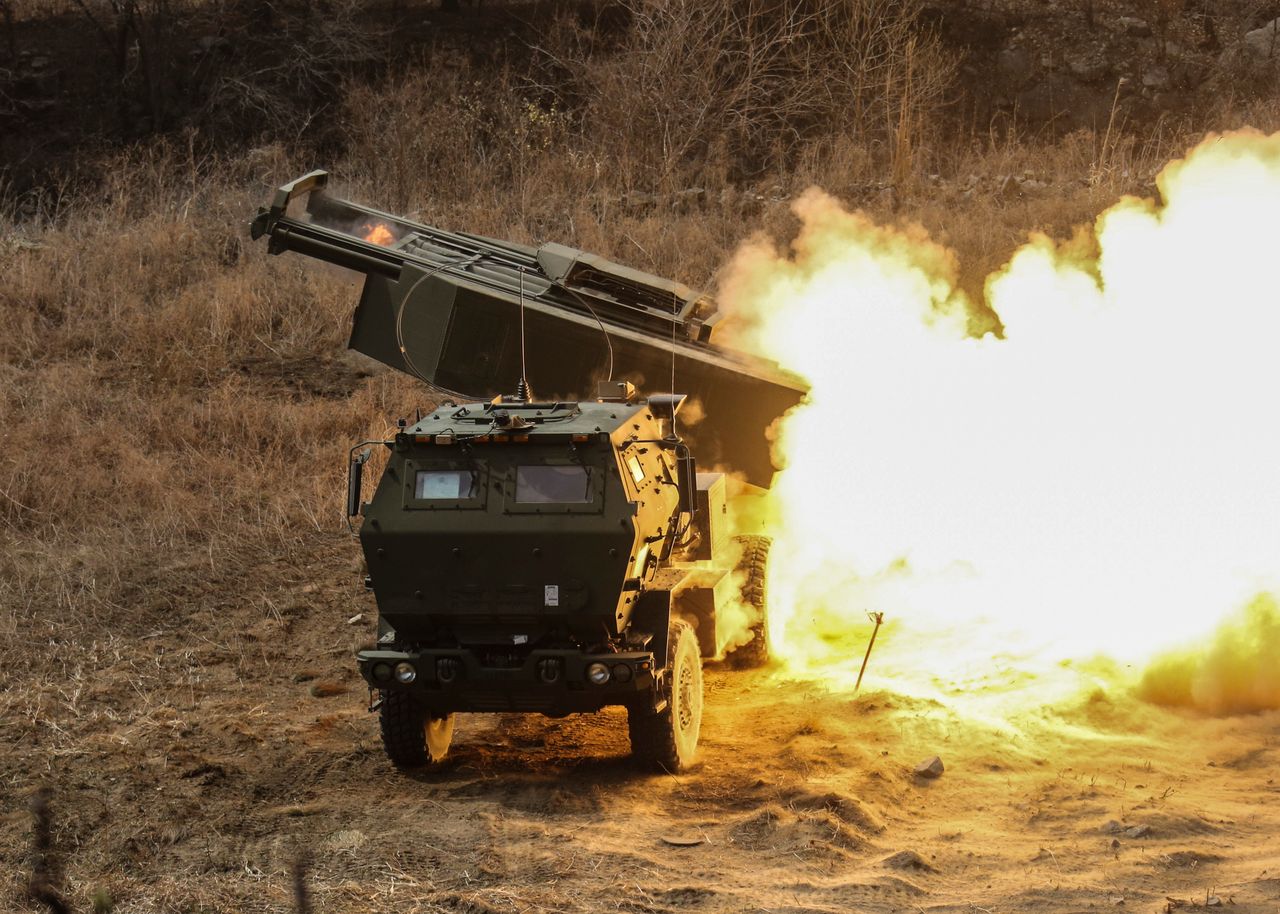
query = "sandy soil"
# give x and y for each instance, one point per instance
(202, 739)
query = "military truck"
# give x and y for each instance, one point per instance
(556, 554)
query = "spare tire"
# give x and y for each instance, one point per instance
(753, 568)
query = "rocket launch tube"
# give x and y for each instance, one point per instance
(445, 306)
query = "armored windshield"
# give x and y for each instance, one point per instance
(452, 484)
(543, 485)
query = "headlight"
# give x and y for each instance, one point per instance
(405, 672)
(382, 671)
(598, 673)
(622, 672)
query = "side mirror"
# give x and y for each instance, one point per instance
(354, 473)
(687, 480)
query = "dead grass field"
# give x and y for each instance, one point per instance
(176, 581)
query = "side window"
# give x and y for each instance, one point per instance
(637, 471)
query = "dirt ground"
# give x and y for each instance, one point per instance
(209, 736)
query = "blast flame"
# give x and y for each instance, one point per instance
(1104, 478)
(378, 233)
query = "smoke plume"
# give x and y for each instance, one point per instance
(1099, 478)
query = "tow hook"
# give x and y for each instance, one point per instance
(374, 703)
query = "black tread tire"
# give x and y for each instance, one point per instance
(411, 736)
(754, 566)
(668, 739)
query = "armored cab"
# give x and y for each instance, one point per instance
(543, 555)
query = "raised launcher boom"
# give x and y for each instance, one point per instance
(446, 307)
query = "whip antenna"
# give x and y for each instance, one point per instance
(522, 388)
(675, 304)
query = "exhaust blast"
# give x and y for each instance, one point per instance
(1103, 478)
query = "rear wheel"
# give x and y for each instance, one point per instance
(411, 735)
(668, 738)
(754, 569)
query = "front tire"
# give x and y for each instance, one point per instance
(412, 736)
(668, 739)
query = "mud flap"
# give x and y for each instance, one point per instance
(653, 614)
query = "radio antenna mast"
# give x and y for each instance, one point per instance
(522, 389)
(675, 305)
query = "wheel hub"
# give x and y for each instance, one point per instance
(684, 690)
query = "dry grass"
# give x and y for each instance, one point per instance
(175, 406)
(137, 433)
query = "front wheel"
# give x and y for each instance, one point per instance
(668, 739)
(412, 736)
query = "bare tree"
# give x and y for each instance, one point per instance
(749, 81)
(138, 34)
(11, 39)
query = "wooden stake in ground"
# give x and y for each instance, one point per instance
(878, 619)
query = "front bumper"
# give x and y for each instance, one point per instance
(466, 685)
